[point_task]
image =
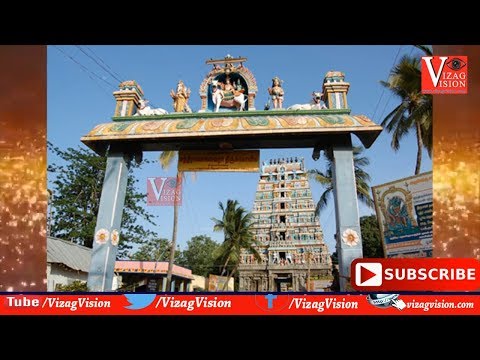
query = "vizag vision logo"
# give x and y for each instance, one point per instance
(444, 75)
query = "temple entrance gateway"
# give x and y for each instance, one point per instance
(283, 283)
(292, 239)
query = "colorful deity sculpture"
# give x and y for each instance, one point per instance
(228, 95)
(229, 86)
(180, 98)
(277, 93)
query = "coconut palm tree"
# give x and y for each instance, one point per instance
(415, 108)
(236, 224)
(362, 178)
(166, 159)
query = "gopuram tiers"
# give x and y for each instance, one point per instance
(291, 238)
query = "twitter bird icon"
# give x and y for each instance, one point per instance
(139, 301)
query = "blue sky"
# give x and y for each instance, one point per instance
(78, 100)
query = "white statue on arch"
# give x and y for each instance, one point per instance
(315, 104)
(144, 109)
(217, 95)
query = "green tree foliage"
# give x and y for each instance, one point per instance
(334, 258)
(371, 238)
(336, 280)
(236, 224)
(153, 250)
(76, 183)
(336, 275)
(362, 178)
(200, 255)
(415, 109)
(76, 286)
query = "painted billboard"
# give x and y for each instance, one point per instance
(217, 283)
(404, 211)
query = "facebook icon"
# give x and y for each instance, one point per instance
(270, 298)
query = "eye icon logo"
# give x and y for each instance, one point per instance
(456, 64)
(139, 301)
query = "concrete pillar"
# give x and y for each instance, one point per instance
(189, 286)
(107, 231)
(348, 236)
(272, 283)
(164, 284)
(182, 285)
(172, 285)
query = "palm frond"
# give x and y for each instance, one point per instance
(415, 107)
(319, 177)
(363, 192)
(398, 91)
(406, 75)
(323, 201)
(427, 135)
(361, 175)
(427, 49)
(166, 159)
(237, 225)
(362, 178)
(359, 161)
(398, 134)
(255, 253)
(358, 150)
(395, 116)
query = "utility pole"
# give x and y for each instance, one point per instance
(174, 235)
(308, 270)
(157, 259)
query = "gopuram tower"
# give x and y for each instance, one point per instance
(294, 255)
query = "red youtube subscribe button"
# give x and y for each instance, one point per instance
(415, 274)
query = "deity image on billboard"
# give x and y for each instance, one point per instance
(404, 209)
(397, 210)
